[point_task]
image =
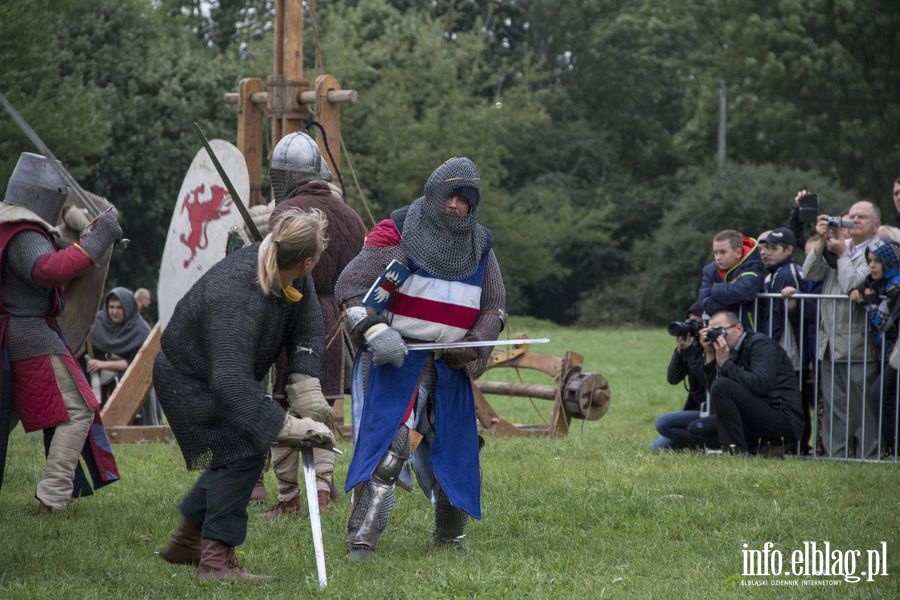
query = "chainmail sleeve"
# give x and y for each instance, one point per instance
(307, 350)
(358, 276)
(490, 321)
(24, 249)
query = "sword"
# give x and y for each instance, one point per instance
(476, 344)
(251, 226)
(32, 135)
(315, 522)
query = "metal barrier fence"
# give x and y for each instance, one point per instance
(844, 377)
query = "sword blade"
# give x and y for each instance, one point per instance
(42, 147)
(475, 344)
(251, 226)
(315, 522)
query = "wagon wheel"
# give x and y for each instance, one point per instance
(586, 396)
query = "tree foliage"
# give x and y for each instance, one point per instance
(593, 122)
(137, 83)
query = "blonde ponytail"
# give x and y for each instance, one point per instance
(296, 236)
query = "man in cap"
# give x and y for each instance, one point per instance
(784, 277)
(300, 179)
(419, 405)
(47, 390)
(776, 250)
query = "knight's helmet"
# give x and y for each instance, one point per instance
(37, 186)
(296, 161)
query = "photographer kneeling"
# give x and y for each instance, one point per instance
(685, 365)
(753, 387)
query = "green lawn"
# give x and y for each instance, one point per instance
(593, 515)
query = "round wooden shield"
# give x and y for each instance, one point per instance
(204, 214)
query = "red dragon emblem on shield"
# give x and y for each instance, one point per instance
(201, 213)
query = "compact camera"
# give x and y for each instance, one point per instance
(713, 333)
(689, 327)
(839, 223)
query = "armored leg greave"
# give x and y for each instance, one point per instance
(370, 514)
(449, 521)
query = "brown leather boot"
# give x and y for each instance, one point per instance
(219, 563)
(259, 491)
(285, 508)
(325, 500)
(184, 547)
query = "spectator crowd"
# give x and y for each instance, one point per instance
(791, 345)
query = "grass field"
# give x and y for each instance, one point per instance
(593, 515)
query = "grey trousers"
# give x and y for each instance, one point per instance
(286, 463)
(850, 422)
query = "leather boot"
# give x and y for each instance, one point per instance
(325, 500)
(46, 508)
(285, 508)
(449, 521)
(219, 563)
(184, 547)
(259, 491)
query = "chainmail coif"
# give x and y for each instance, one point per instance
(446, 246)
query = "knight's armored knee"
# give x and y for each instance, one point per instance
(370, 514)
(449, 521)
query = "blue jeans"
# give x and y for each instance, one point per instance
(672, 428)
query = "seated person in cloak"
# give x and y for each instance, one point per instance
(118, 333)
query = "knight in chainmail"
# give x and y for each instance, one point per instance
(418, 406)
(45, 387)
(300, 179)
(223, 337)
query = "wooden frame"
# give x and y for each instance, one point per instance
(570, 383)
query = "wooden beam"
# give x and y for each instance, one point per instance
(293, 113)
(328, 114)
(308, 97)
(250, 135)
(134, 387)
(488, 418)
(130, 434)
(522, 390)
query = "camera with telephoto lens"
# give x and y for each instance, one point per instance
(839, 223)
(713, 333)
(689, 328)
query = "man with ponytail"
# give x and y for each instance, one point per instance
(223, 337)
(418, 406)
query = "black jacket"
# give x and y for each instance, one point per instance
(689, 365)
(788, 273)
(763, 368)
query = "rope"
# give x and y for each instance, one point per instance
(315, 27)
(518, 372)
(314, 123)
(320, 65)
(359, 189)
